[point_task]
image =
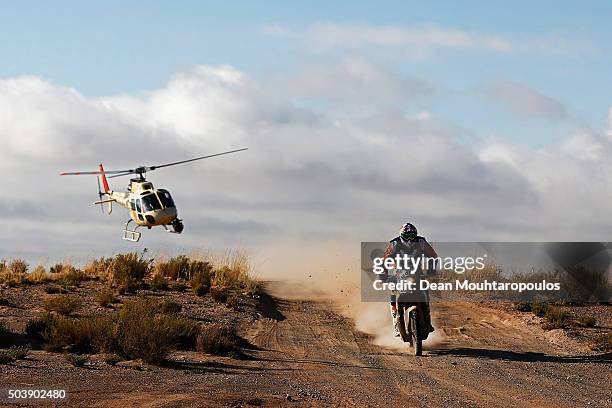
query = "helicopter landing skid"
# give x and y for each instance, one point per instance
(169, 230)
(131, 235)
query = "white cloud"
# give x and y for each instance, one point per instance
(525, 101)
(311, 174)
(419, 40)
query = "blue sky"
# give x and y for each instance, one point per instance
(112, 47)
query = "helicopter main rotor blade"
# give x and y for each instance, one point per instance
(151, 168)
(127, 173)
(143, 169)
(88, 173)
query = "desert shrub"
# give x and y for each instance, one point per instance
(158, 282)
(523, 306)
(174, 268)
(232, 301)
(198, 267)
(105, 297)
(14, 272)
(83, 336)
(556, 318)
(71, 275)
(218, 339)
(128, 271)
(219, 294)
(53, 289)
(178, 286)
(111, 359)
(141, 333)
(62, 304)
(6, 357)
(101, 268)
(200, 283)
(6, 336)
(18, 266)
(12, 354)
(19, 352)
(76, 360)
(56, 269)
(169, 306)
(236, 280)
(587, 321)
(539, 309)
(37, 327)
(39, 275)
(138, 330)
(183, 331)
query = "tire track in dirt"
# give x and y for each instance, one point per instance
(486, 357)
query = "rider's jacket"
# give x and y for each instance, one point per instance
(415, 248)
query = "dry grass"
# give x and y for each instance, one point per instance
(174, 268)
(587, 321)
(13, 272)
(76, 360)
(218, 339)
(556, 318)
(36, 328)
(142, 333)
(105, 297)
(169, 306)
(39, 275)
(101, 268)
(228, 272)
(138, 330)
(128, 271)
(62, 304)
(13, 354)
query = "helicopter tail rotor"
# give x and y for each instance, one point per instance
(100, 195)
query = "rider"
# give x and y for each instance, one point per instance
(407, 239)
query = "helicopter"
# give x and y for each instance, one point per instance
(147, 206)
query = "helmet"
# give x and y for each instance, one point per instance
(408, 232)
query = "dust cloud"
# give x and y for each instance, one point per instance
(330, 273)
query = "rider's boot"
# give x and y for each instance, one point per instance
(396, 332)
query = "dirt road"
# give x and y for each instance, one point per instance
(485, 357)
(306, 354)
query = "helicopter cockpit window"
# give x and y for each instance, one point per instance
(150, 203)
(165, 198)
(138, 208)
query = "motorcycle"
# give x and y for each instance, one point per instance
(410, 317)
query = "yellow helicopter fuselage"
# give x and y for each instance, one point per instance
(147, 206)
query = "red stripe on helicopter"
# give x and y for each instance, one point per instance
(104, 179)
